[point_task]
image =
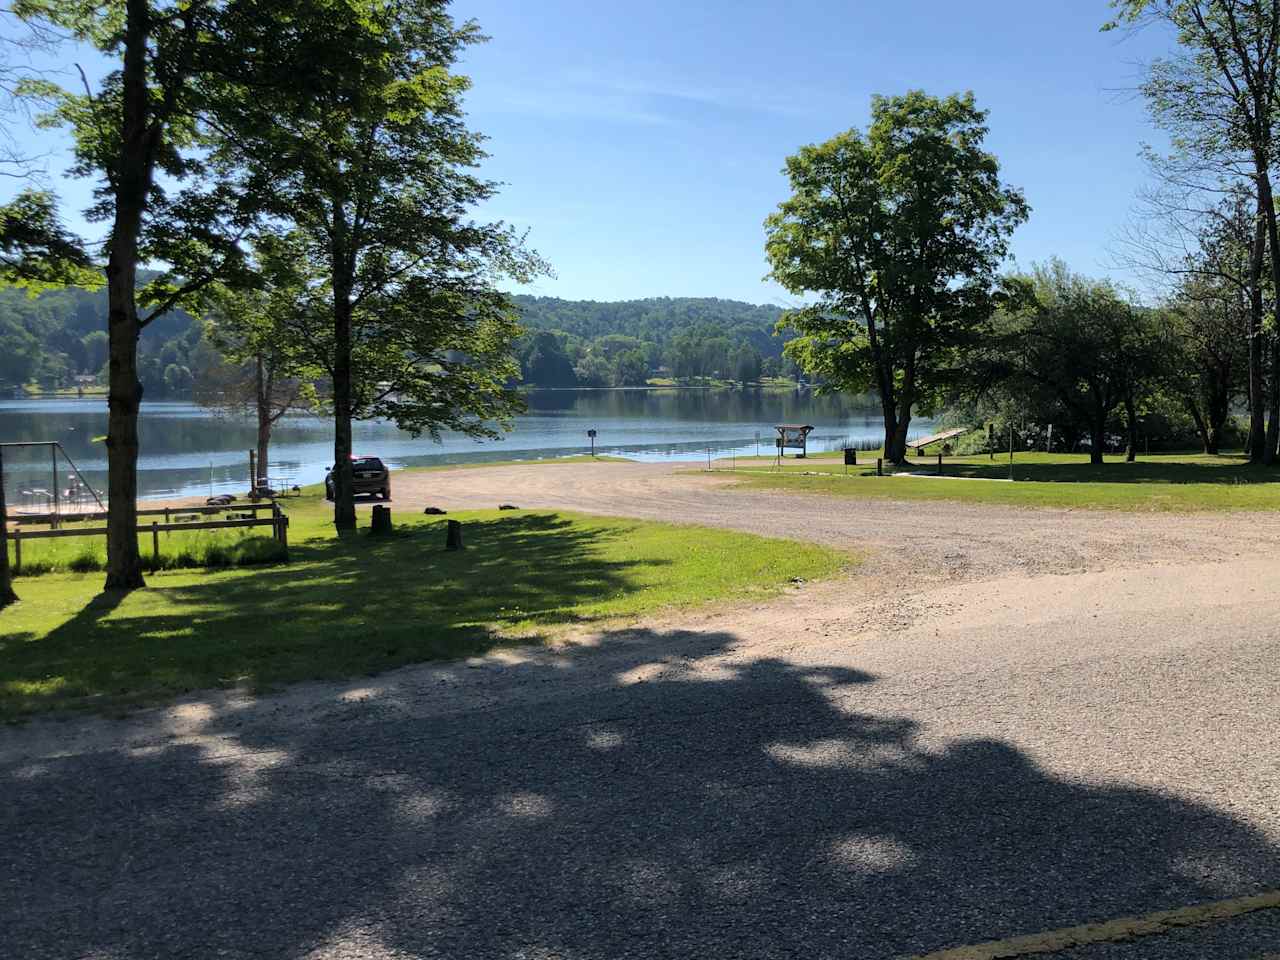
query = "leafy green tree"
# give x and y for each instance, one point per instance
(614, 345)
(747, 364)
(715, 357)
(685, 357)
(548, 365)
(145, 135)
(95, 350)
(35, 249)
(1205, 366)
(373, 165)
(899, 232)
(1219, 99)
(630, 369)
(258, 365)
(594, 371)
(1079, 344)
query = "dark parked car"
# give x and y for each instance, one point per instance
(368, 475)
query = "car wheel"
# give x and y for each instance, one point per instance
(328, 492)
(386, 493)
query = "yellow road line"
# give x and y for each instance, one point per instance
(1112, 931)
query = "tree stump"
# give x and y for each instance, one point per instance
(381, 520)
(453, 540)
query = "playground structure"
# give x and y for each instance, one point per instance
(43, 497)
(38, 477)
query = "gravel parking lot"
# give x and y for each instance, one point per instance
(1005, 723)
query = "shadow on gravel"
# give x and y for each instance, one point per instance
(735, 812)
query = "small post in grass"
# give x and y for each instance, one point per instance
(381, 520)
(7, 596)
(939, 463)
(453, 539)
(155, 543)
(53, 454)
(879, 466)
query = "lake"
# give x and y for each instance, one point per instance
(187, 449)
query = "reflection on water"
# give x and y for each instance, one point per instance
(189, 450)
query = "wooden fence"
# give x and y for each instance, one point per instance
(176, 520)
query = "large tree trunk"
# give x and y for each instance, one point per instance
(1265, 201)
(343, 266)
(124, 393)
(262, 397)
(1257, 401)
(7, 596)
(898, 416)
(884, 387)
(1131, 427)
(124, 398)
(344, 505)
(1273, 402)
(1207, 440)
(1097, 436)
(896, 448)
(890, 427)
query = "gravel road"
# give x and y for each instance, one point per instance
(1007, 722)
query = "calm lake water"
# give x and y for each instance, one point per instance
(187, 449)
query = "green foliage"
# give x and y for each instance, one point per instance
(1069, 351)
(655, 320)
(630, 369)
(35, 250)
(60, 333)
(899, 232)
(747, 364)
(172, 92)
(547, 364)
(693, 338)
(373, 167)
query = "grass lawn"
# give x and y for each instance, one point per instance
(1159, 482)
(367, 604)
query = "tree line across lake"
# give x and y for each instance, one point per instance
(56, 341)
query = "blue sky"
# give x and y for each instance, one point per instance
(641, 144)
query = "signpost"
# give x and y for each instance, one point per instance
(592, 435)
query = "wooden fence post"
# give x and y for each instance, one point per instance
(155, 543)
(453, 540)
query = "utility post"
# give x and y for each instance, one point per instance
(7, 596)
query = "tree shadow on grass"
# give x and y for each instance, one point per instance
(1235, 470)
(359, 606)
(676, 806)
